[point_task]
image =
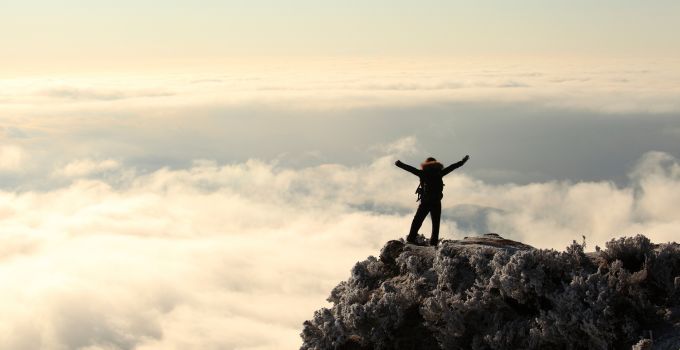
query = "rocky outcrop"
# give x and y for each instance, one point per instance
(488, 292)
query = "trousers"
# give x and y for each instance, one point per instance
(434, 208)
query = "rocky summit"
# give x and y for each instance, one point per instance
(488, 292)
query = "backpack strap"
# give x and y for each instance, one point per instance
(420, 190)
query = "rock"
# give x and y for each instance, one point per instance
(488, 292)
(391, 251)
(644, 344)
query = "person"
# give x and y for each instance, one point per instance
(430, 194)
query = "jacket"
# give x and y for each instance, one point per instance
(431, 184)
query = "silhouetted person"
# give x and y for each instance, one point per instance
(430, 194)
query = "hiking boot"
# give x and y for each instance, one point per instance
(411, 239)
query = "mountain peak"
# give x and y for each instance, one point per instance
(488, 292)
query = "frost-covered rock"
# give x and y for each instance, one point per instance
(488, 292)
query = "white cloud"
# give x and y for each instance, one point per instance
(94, 94)
(11, 158)
(228, 114)
(403, 146)
(237, 256)
(593, 85)
(84, 167)
(215, 256)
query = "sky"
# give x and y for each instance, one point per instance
(103, 35)
(185, 175)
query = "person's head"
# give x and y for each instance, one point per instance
(427, 162)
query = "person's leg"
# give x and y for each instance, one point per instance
(418, 219)
(435, 215)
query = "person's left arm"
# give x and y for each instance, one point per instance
(454, 166)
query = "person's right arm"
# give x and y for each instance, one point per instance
(407, 167)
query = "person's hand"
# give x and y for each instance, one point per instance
(465, 159)
(397, 162)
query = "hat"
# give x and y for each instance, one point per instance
(428, 161)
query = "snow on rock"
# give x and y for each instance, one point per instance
(488, 292)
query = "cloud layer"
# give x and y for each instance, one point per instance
(590, 119)
(11, 158)
(602, 85)
(217, 210)
(237, 255)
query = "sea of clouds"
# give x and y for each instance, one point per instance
(128, 220)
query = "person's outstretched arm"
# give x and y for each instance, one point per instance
(407, 167)
(454, 166)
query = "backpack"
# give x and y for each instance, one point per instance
(427, 190)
